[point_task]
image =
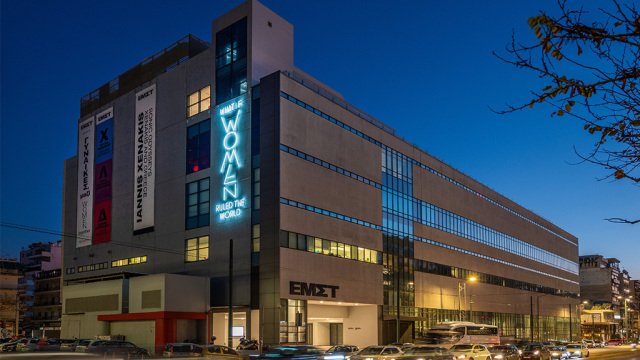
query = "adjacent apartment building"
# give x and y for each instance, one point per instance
(210, 167)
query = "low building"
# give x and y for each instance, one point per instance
(10, 272)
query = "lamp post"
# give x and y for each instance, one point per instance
(462, 289)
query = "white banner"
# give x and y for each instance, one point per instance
(143, 163)
(84, 212)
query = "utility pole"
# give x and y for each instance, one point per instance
(230, 315)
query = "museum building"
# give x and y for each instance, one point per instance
(219, 174)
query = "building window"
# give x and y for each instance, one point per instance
(256, 189)
(130, 261)
(199, 101)
(198, 146)
(197, 204)
(231, 61)
(196, 249)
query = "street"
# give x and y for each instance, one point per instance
(615, 352)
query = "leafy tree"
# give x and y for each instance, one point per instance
(589, 61)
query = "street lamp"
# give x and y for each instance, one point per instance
(462, 289)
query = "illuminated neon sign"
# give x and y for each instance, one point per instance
(231, 115)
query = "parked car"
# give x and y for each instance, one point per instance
(340, 352)
(173, 350)
(505, 352)
(69, 344)
(119, 348)
(31, 344)
(616, 341)
(428, 353)
(536, 352)
(471, 352)
(302, 352)
(577, 350)
(589, 343)
(378, 353)
(558, 352)
(11, 346)
(220, 352)
(599, 343)
(86, 344)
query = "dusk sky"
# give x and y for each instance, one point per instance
(423, 67)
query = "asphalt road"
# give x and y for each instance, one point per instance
(615, 352)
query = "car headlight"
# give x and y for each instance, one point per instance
(536, 352)
(462, 356)
(554, 354)
(577, 352)
(498, 357)
(519, 352)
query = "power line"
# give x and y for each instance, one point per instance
(74, 236)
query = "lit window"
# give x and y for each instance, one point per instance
(196, 249)
(199, 101)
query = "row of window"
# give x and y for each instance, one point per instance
(93, 267)
(460, 273)
(334, 215)
(317, 245)
(129, 261)
(417, 163)
(433, 216)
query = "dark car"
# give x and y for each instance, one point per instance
(119, 348)
(428, 353)
(11, 346)
(293, 352)
(182, 350)
(339, 352)
(505, 352)
(536, 352)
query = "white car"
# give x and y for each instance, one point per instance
(471, 352)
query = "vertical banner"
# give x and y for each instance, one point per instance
(231, 118)
(103, 177)
(143, 163)
(84, 212)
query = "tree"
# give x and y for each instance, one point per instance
(589, 63)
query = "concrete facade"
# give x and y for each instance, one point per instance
(342, 232)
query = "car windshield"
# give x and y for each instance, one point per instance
(372, 350)
(461, 347)
(573, 346)
(425, 350)
(532, 347)
(500, 348)
(556, 348)
(339, 348)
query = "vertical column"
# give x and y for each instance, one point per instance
(269, 288)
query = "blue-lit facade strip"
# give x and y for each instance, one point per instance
(332, 214)
(417, 163)
(416, 210)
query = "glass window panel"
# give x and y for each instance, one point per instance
(205, 104)
(341, 250)
(193, 99)
(192, 110)
(192, 199)
(360, 254)
(192, 211)
(318, 245)
(302, 242)
(203, 208)
(293, 239)
(347, 251)
(310, 243)
(205, 92)
(326, 247)
(192, 187)
(333, 248)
